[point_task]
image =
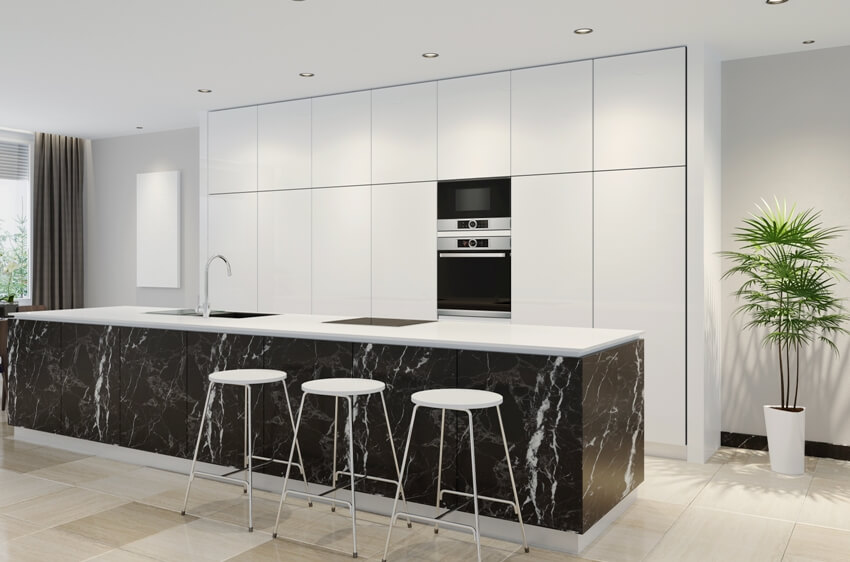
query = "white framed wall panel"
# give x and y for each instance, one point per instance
(342, 139)
(404, 133)
(283, 145)
(474, 126)
(639, 281)
(404, 251)
(284, 251)
(232, 145)
(639, 110)
(552, 119)
(232, 232)
(552, 250)
(158, 229)
(341, 232)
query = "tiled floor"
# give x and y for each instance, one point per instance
(57, 505)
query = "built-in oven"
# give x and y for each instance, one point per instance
(474, 275)
(479, 204)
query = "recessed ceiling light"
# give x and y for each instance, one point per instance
(808, 41)
(306, 74)
(204, 90)
(775, 1)
(582, 31)
(139, 127)
(430, 55)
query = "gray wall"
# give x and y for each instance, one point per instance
(110, 217)
(786, 133)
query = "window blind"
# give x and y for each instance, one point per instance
(14, 160)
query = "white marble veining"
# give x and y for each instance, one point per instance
(483, 336)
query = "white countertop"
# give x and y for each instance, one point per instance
(475, 335)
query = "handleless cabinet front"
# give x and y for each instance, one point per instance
(283, 152)
(474, 126)
(342, 140)
(283, 270)
(341, 231)
(233, 234)
(232, 150)
(404, 133)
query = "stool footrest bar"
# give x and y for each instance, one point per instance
(367, 477)
(423, 519)
(222, 478)
(318, 498)
(480, 497)
(340, 487)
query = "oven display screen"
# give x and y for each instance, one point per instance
(470, 199)
(472, 243)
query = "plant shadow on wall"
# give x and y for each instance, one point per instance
(14, 258)
(788, 290)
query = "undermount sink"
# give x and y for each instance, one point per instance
(213, 313)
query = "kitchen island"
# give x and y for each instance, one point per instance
(573, 404)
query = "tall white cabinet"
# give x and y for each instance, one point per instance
(341, 258)
(552, 250)
(233, 234)
(639, 281)
(232, 150)
(283, 145)
(404, 250)
(341, 130)
(284, 282)
(404, 133)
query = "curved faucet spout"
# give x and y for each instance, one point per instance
(206, 305)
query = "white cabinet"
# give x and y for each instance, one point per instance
(232, 150)
(552, 119)
(284, 251)
(404, 133)
(639, 110)
(552, 250)
(404, 251)
(283, 145)
(474, 126)
(232, 228)
(342, 139)
(639, 281)
(341, 232)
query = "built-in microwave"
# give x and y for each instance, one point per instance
(479, 204)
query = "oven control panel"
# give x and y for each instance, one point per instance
(473, 223)
(473, 243)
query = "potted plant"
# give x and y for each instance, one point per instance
(789, 278)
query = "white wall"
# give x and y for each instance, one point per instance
(786, 133)
(110, 217)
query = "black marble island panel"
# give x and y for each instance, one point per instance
(35, 375)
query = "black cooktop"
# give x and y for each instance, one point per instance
(369, 321)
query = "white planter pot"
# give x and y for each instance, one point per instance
(786, 440)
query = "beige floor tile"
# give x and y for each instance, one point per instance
(84, 470)
(827, 504)
(125, 524)
(50, 544)
(540, 555)
(235, 512)
(207, 497)
(22, 487)
(420, 543)
(61, 507)
(280, 550)
(9, 445)
(755, 490)
(833, 469)
(35, 458)
(810, 544)
(700, 535)
(140, 483)
(739, 456)
(13, 528)
(118, 555)
(674, 481)
(200, 540)
(635, 533)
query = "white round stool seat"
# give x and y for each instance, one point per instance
(456, 398)
(342, 387)
(247, 376)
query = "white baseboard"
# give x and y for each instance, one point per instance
(665, 450)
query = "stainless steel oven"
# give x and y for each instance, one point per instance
(479, 204)
(474, 275)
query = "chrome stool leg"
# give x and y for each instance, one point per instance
(513, 482)
(289, 464)
(250, 447)
(395, 458)
(297, 446)
(404, 466)
(197, 447)
(351, 468)
(474, 487)
(333, 463)
(440, 471)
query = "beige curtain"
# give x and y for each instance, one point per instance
(57, 222)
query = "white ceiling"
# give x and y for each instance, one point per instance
(99, 68)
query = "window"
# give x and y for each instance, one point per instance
(15, 206)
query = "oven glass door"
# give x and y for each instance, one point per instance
(466, 199)
(474, 281)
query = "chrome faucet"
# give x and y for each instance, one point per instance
(205, 308)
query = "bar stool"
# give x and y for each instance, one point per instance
(460, 400)
(350, 389)
(244, 378)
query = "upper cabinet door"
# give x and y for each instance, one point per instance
(283, 152)
(404, 133)
(552, 119)
(552, 250)
(232, 150)
(283, 240)
(639, 110)
(474, 126)
(233, 234)
(342, 141)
